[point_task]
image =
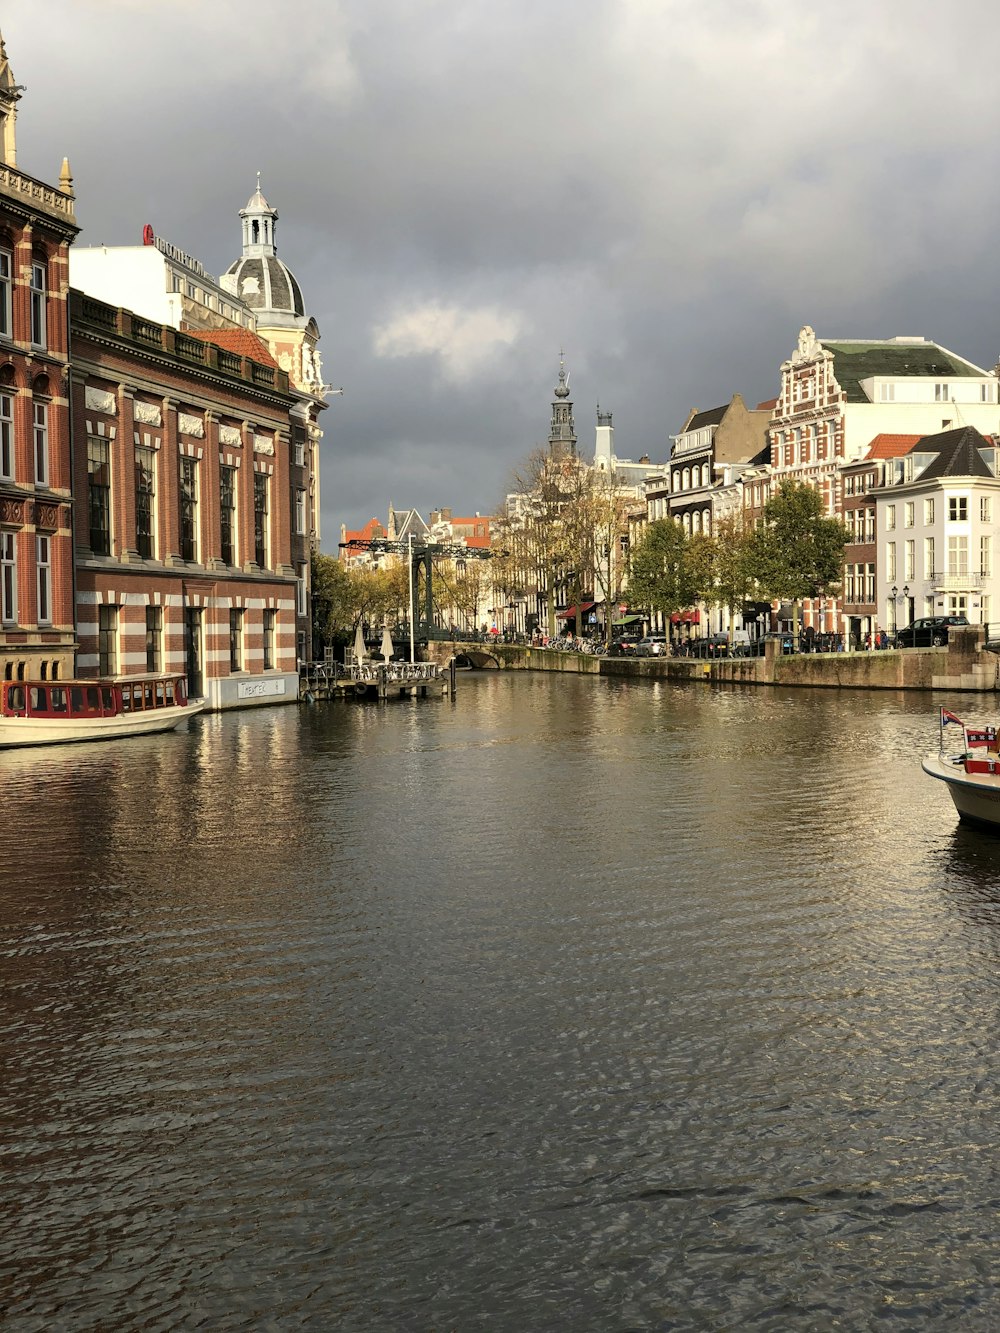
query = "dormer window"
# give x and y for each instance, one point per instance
(941, 393)
(887, 393)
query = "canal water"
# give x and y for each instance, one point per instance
(568, 1004)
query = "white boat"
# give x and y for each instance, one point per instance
(972, 775)
(46, 712)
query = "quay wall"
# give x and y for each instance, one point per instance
(961, 665)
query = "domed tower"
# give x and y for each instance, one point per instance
(269, 288)
(562, 432)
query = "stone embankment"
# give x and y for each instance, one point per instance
(963, 664)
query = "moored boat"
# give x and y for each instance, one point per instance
(50, 712)
(972, 775)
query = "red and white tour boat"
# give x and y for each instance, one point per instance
(48, 712)
(972, 775)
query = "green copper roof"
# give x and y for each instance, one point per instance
(857, 361)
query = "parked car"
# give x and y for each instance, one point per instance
(623, 647)
(653, 645)
(928, 632)
(713, 645)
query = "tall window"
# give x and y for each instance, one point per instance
(6, 289)
(890, 517)
(298, 446)
(40, 414)
(984, 508)
(908, 557)
(38, 293)
(8, 578)
(958, 556)
(154, 638)
(268, 640)
(227, 513)
(107, 640)
(189, 509)
(908, 514)
(986, 556)
(43, 549)
(145, 501)
(929, 512)
(6, 436)
(930, 569)
(260, 518)
(300, 511)
(99, 494)
(301, 593)
(235, 639)
(890, 561)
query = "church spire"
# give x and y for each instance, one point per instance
(562, 432)
(259, 225)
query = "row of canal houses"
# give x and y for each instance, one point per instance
(900, 438)
(159, 451)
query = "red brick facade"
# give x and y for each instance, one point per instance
(37, 226)
(183, 508)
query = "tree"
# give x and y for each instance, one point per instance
(670, 570)
(734, 579)
(797, 552)
(345, 597)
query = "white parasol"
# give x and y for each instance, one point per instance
(386, 649)
(359, 645)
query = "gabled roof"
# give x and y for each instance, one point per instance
(886, 445)
(854, 361)
(957, 453)
(768, 405)
(244, 342)
(372, 529)
(710, 418)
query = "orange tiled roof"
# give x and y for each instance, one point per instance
(768, 405)
(244, 342)
(372, 529)
(891, 446)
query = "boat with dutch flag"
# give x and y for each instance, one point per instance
(972, 774)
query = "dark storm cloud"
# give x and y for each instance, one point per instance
(668, 189)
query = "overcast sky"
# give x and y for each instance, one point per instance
(667, 190)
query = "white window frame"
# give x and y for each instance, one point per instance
(985, 509)
(6, 437)
(43, 578)
(8, 577)
(890, 518)
(6, 293)
(300, 511)
(38, 297)
(908, 514)
(40, 442)
(929, 511)
(958, 509)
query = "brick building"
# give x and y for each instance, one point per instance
(37, 227)
(183, 541)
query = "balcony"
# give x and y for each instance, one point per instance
(970, 580)
(44, 197)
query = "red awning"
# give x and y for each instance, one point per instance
(685, 617)
(570, 612)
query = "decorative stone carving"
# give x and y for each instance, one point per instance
(148, 413)
(11, 511)
(46, 515)
(230, 435)
(263, 444)
(190, 425)
(98, 400)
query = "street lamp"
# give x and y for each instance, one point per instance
(900, 597)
